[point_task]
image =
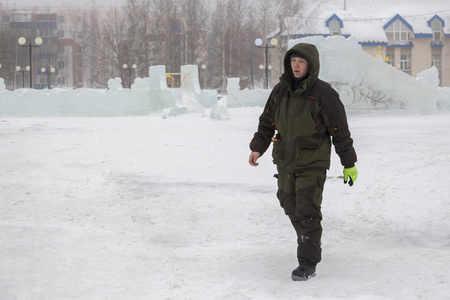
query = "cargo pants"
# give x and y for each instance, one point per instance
(300, 195)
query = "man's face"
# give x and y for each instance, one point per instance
(299, 67)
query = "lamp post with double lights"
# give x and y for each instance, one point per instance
(37, 42)
(263, 67)
(19, 69)
(133, 66)
(273, 43)
(48, 72)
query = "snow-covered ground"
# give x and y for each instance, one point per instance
(144, 208)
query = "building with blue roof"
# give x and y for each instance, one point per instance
(411, 35)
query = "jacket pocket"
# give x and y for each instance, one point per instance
(306, 143)
(278, 152)
(306, 132)
(317, 155)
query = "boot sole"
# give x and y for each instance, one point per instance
(298, 278)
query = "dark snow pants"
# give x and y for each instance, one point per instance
(300, 196)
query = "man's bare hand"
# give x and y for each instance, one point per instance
(252, 160)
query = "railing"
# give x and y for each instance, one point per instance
(436, 43)
(400, 43)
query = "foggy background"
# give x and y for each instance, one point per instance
(41, 3)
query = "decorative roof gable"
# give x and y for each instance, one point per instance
(438, 18)
(398, 17)
(334, 17)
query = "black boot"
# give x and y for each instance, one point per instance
(303, 273)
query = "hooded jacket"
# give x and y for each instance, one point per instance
(304, 120)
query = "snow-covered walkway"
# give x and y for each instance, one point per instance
(145, 208)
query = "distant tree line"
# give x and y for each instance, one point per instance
(217, 34)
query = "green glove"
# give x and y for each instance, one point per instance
(350, 175)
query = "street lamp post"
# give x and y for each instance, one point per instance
(133, 66)
(38, 42)
(19, 69)
(204, 75)
(50, 71)
(273, 43)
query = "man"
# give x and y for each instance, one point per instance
(305, 112)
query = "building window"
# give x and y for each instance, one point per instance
(436, 61)
(47, 32)
(436, 35)
(398, 31)
(436, 56)
(20, 17)
(335, 27)
(46, 17)
(405, 62)
(391, 59)
(390, 53)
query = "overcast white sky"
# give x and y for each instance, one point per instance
(60, 2)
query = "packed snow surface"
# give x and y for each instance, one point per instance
(144, 208)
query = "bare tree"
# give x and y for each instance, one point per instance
(7, 62)
(143, 49)
(165, 34)
(240, 37)
(115, 42)
(93, 53)
(216, 47)
(194, 16)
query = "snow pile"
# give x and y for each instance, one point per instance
(2, 85)
(146, 94)
(57, 101)
(193, 97)
(364, 81)
(429, 78)
(115, 84)
(245, 97)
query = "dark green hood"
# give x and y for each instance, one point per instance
(310, 53)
